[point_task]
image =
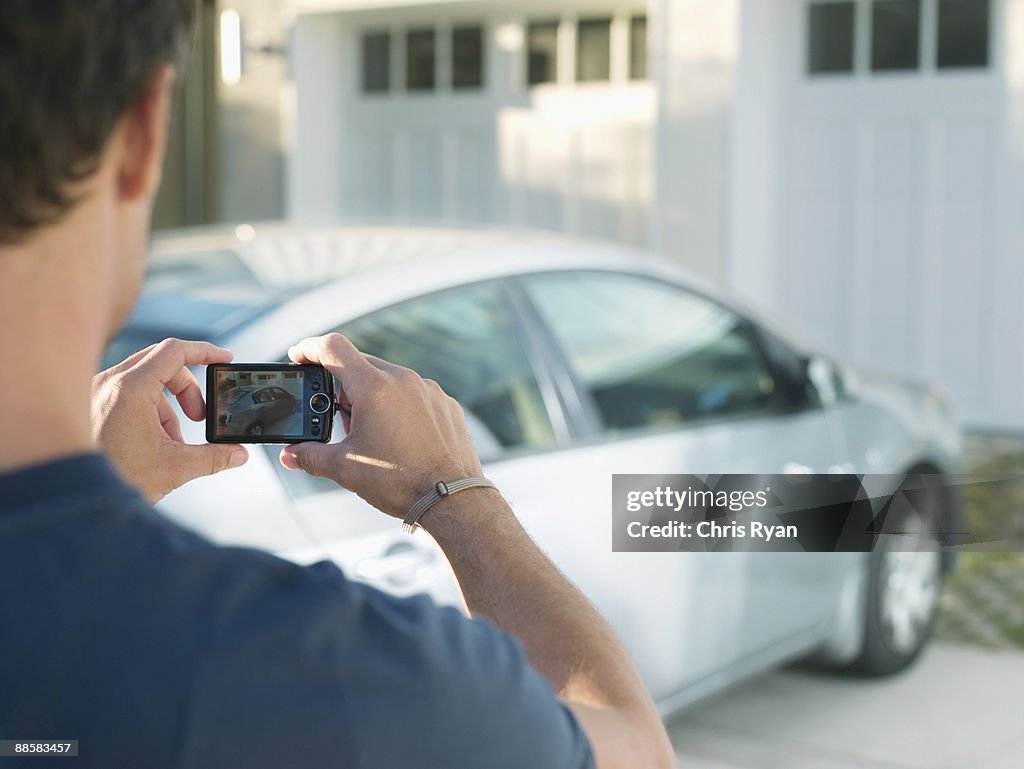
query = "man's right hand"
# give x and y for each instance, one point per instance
(403, 433)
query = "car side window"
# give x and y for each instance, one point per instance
(468, 340)
(652, 354)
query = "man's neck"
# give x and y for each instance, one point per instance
(51, 337)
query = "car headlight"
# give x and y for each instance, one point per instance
(941, 399)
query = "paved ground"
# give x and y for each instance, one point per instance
(961, 707)
(983, 603)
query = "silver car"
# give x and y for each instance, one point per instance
(254, 410)
(573, 360)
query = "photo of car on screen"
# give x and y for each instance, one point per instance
(252, 404)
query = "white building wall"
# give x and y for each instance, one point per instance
(880, 216)
(319, 129)
(694, 59)
(565, 156)
(1003, 399)
(754, 165)
(250, 154)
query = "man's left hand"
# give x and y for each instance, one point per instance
(134, 424)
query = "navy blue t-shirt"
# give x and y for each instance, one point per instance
(154, 647)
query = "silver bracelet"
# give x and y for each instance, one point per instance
(435, 495)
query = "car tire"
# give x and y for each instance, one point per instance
(904, 585)
(255, 429)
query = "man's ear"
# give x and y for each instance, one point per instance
(143, 134)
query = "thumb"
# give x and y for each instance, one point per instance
(208, 459)
(319, 459)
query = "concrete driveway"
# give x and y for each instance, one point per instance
(960, 707)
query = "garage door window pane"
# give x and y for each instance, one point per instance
(963, 33)
(542, 52)
(830, 37)
(593, 49)
(468, 341)
(420, 54)
(467, 57)
(652, 354)
(638, 48)
(895, 34)
(376, 62)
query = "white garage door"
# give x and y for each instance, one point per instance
(901, 223)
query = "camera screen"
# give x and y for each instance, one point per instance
(260, 403)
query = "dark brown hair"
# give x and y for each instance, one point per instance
(68, 70)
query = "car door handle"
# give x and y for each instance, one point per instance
(398, 565)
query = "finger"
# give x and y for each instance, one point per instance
(319, 459)
(296, 355)
(185, 387)
(132, 359)
(135, 357)
(345, 412)
(169, 420)
(165, 360)
(350, 367)
(193, 462)
(384, 365)
(330, 349)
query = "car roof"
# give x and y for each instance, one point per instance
(275, 256)
(240, 391)
(209, 282)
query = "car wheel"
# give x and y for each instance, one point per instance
(256, 428)
(904, 585)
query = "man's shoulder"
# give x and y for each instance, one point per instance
(261, 659)
(304, 658)
(102, 551)
(225, 588)
(338, 669)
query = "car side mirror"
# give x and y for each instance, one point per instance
(824, 379)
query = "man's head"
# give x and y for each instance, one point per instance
(84, 98)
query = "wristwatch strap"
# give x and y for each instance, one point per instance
(440, 491)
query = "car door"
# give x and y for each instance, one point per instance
(671, 382)
(470, 340)
(284, 404)
(251, 412)
(259, 408)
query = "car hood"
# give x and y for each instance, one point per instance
(923, 409)
(884, 388)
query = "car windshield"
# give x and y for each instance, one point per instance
(201, 295)
(231, 397)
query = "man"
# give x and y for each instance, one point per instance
(155, 648)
